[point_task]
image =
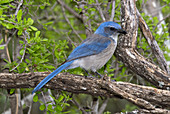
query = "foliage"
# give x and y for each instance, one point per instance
(60, 103)
(42, 28)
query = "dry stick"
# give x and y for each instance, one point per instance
(22, 58)
(7, 51)
(8, 39)
(19, 5)
(161, 21)
(86, 21)
(153, 43)
(103, 107)
(70, 9)
(63, 10)
(100, 11)
(95, 104)
(78, 105)
(106, 12)
(71, 40)
(113, 10)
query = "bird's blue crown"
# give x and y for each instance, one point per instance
(101, 28)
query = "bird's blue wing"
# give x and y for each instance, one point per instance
(90, 46)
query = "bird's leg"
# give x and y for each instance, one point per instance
(97, 73)
(87, 73)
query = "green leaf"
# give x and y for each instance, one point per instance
(50, 108)
(1, 18)
(27, 60)
(5, 1)
(49, 66)
(12, 91)
(1, 41)
(59, 108)
(30, 50)
(9, 26)
(45, 39)
(21, 42)
(60, 98)
(12, 6)
(2, 47)
(49, 23)
(42, 7)
(35, 98)
(33, 28)
(37, 34)
(30, 21)
(19, 15)
(1, 11)
(21, 51)
(20, 32)
(42, 107)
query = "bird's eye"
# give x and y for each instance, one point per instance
(112, 28)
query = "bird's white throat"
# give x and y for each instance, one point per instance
(114, 37)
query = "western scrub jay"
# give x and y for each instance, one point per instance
(93, 53)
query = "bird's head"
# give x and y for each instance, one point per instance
(110, 29)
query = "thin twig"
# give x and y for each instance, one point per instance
(161, 21)
(78, 105)
(86, 3)
(19, 5)
(113, 10)
(64, 14)
(7, 51)
(86, 20)
(6, 43)
(108, 6)
(104, 104)
(100, 11)
(53, 6)
(10, 22)
(71, 40)
(159, 9)
(95, 105)
(107, 9)
(24, 34)
(70, 10)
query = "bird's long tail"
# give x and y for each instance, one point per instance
(50, 76)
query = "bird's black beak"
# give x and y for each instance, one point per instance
(122, 31)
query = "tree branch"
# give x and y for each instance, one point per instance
(152, 43)
(127, 53)
(142, 96)
(70, 10)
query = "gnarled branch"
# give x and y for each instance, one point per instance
(127, 53)
(142, 96)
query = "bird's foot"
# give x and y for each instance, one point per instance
(107, 78)
(89, 77)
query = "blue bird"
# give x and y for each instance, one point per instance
(93, 53)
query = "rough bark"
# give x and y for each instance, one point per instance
(127, 53)
(152, 43)
(142, 96)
